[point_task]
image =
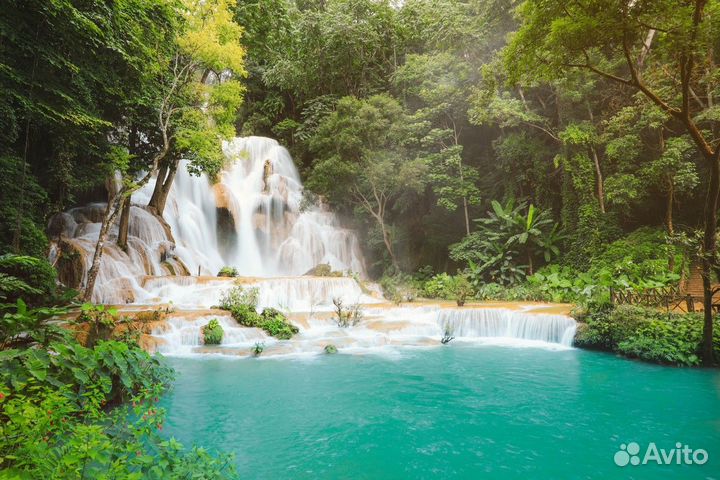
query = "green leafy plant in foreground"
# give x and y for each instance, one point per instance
(73, 412)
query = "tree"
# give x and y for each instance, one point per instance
(194, 98)
(203, 93)
(437, 85)
(363, 148)
(615, 41)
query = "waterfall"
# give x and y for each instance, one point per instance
(254, 217)
(488, 322)
(381, 327)
(295, 294)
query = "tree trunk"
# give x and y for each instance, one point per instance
(111, 211)
(669, 219)
(598, 173)
(467, 216)
(124, 224)
(164, 182)
(388, 243)
(709, 252)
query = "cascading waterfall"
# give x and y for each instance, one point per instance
(486, 322)
(253, 217)
(383, 326)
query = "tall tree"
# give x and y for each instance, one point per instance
(610, 39)
(194, 97)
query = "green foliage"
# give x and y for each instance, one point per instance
(258, 349)
(399, 287)
(101, 321)
(276, 324)
(239, 296)
(324, 270)
(62, 416)
(28, 277)
(228, 272)
(645, 333)
(242, 305)
(507, 242)
(449, 287)
(330, 349)
(23, 327)
(213, 333)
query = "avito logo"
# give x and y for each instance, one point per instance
(680, 455)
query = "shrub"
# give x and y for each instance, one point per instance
(31, 278)
(323, 270)
(257, 349)
(56, 419)
(22, 327)
(438, 286)
(330, 349)
(346, 316)
(238, 296)
(228, 272)
(645, 333)
(277, 324)
(399, 288)
(212, 333)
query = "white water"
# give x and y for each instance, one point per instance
(382, 328)
(253, 218)
(294, 294)
(265, 232)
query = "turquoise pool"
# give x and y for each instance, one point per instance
(456, 412)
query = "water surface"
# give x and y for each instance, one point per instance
(454, 412)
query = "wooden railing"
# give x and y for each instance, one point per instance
(670, 298)
(667, 297)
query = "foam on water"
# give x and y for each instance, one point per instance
(386, 329)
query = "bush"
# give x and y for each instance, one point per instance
(257, 349)
(277, 324)
(242, 305)
(645, 333)
(213, 333)
(438, 286)
(323, 270)
(330, 349)
(23, 327)
(399, 288)
(228, 272)
(239, 296)
(347, 316)
(61, 416)
(31, 278)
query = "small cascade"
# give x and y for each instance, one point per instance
(181, 336)
(476, 323)
(383, 327)
(294, 294)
